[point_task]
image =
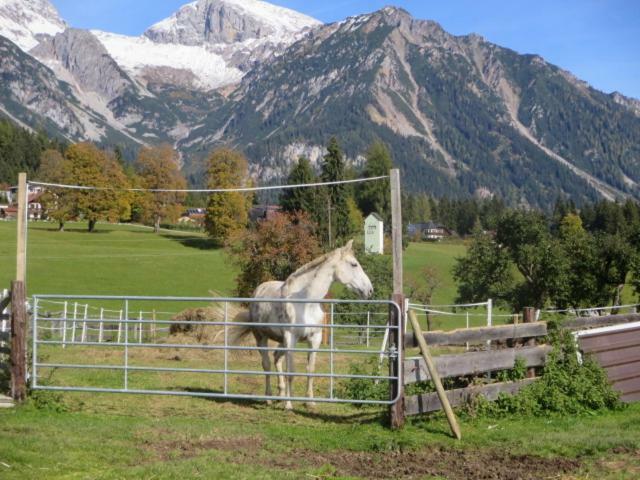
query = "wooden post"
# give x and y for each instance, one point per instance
(18, 342)
(21, 254)
(528, 316)
(396, 337)
(435, 378)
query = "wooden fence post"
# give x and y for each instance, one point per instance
(528, 316)
(21, 225)
(18, 342)
(396, 336)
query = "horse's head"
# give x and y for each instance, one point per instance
(349, 272)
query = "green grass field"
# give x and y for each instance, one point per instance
(111, 436)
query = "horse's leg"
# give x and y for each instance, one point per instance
(263, 342)
(290, 342)
(314, 343)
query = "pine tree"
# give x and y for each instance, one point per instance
(335, 196)
(301, 199)
(376, 196)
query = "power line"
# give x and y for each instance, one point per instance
(208, 190)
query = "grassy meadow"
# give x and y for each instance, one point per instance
(113, 436)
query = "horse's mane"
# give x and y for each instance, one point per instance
(307, 267)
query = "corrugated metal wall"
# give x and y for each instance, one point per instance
(617, 349)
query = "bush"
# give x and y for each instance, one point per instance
(364, 388)
(567, 387)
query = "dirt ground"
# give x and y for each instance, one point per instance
(437, 462)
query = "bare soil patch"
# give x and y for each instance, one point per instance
(451, 464)
(183, 448)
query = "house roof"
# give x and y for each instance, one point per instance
(376, 216)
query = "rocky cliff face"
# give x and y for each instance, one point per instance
(461, 115)
(229, 21)
(80, 54)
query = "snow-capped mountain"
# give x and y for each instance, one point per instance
(23, 21)
(131, 83)
(208, 44)
(229, 21)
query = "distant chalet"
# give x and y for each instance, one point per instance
(430, 231)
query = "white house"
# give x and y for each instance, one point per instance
(374, 234)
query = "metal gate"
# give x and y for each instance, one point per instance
(125, 344)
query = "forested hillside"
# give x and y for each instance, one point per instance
(20, 150)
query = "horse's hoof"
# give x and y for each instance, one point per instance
(269, 402)
(288, 406)
(311, 405)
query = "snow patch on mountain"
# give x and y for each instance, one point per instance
(21, 21)
(135, 54)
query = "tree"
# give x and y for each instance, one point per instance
(227, 212)
(484, 272)
(335, 196)
(86, 165)
(158, 168)
(301, 199)
(54, 168)
(423, 287)
(274, 250)
(580, 251)
(537, 256)
(376, 196)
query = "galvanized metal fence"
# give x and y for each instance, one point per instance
(87, 334)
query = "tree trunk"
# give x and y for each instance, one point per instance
(92, 225)
(156, 225)
(60, 226)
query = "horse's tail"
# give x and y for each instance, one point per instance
(237, 332)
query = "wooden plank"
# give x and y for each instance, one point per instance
(480, 335)
(618, 357)
(475, 363)
(441, 394)
(628, 386)
(18, 342)
(624, 371)
(610, 340)
(592, 322)
(631, 397)
(429, 402)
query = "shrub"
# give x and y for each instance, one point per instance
(567, 387)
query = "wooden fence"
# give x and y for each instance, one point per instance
(616, 348)
(508, 343)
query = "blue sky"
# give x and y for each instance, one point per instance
(597, 40)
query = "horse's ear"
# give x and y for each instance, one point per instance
(349, 246)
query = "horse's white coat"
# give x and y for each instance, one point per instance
(312, 281)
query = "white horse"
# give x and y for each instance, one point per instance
(312, 281)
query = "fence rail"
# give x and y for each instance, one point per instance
(129, 339)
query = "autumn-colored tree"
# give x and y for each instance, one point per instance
(54, 168)
(274, 250)
(158, 169)
(227, 212)
(89, 166)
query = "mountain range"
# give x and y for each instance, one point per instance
(461, 115)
